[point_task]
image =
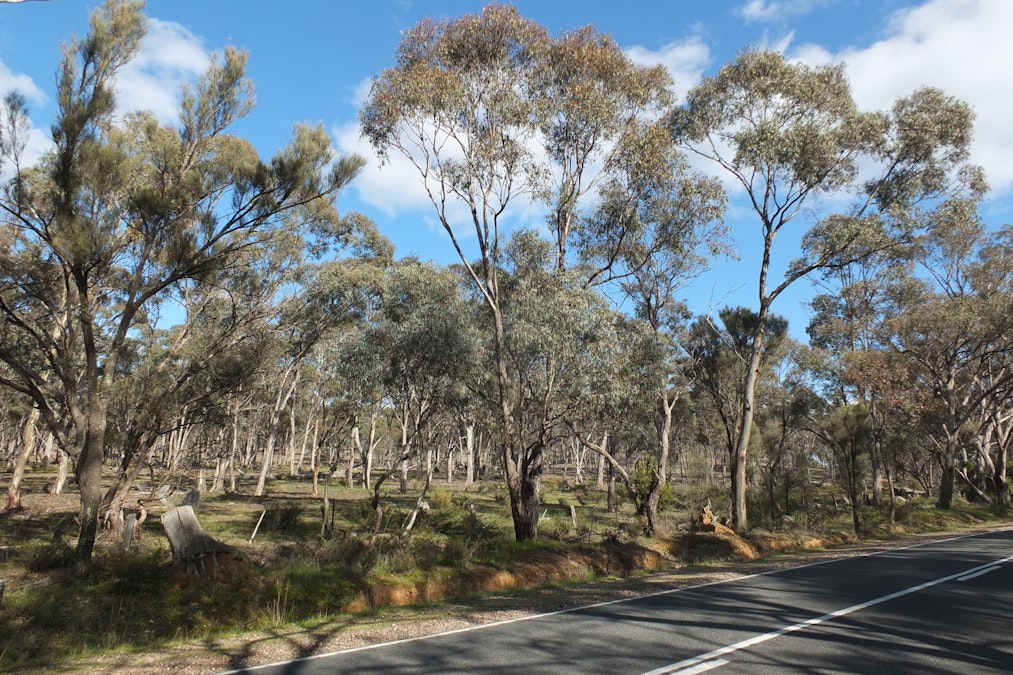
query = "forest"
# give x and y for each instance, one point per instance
(178, 313)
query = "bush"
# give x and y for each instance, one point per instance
(440, 498)
(39, 557)
(645, 475)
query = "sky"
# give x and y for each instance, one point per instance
(312, 60)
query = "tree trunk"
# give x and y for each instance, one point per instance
(524, 503)
(599, 482)
(945, 500)
(1002, 496)
(665, 408)
(740, 519)
(285, 393)
(356, 449)
(21, 462)
(268, 460)
(89, 477)
(189, 542)
(469, 449)
(522, 467)
(62, 473)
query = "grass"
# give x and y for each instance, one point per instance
(292, 575)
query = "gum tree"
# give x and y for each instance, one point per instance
(494, 115)
(788, 133)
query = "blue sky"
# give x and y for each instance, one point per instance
(311, 61)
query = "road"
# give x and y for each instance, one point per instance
(940, 607)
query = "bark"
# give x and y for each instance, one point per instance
(89, 475)
(666, 405)
(1002, 496)
(189, 542)
(356, 448)
(28, 433)
(62, 473)
(522, 467)
(469, 449)
(945, 499)
(740, 519)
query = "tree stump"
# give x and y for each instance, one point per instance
(189, 542)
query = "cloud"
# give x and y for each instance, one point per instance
(957, 46)
(764, 11)
(395, 188)
(170, 57)
(685, 60)
(21, 83)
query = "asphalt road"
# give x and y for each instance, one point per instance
(941, 607)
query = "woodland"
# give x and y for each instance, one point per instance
(181, 316)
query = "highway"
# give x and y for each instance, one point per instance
(940, 607)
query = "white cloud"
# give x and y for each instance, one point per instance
(685, 60)
(170, 57)
(958, 46)
(765, 10)
(21, 83)
(395, 188)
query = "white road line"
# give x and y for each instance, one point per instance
(568, 610)
(701, 668)
(681, 666)
(974, 575)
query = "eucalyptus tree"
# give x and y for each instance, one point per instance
(788, 133)
(848, 326)
(332, 295)
(427, 349)
(959, 334)
(654, 230)
(121, 213)
(495, 114)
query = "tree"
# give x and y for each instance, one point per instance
(846, 430)
(652, 232)
(721, 358)
(121, 214)
(485, 107)
(427, 347)
(788, 133)
(958, 335)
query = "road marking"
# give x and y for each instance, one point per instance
(701, 668)
(685, 664)
(968, 577)
(569, 610)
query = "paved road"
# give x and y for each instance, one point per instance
(942, 607)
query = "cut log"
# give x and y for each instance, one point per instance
(189, 542)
